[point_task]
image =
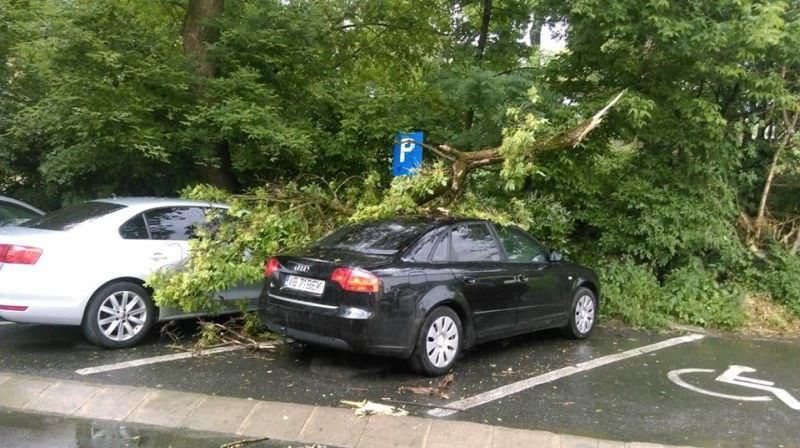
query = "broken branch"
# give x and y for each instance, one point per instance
(463, 162)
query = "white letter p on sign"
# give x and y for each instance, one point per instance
(406, 145)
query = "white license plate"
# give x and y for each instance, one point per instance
(311, 285)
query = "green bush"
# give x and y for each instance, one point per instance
(781, 279)
(692, 294)
(631, 292)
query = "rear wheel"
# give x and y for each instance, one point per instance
(119, 315)
(439, 342)
(583, 314)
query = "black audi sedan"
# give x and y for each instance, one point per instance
(424, 290)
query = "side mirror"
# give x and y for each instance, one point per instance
(555, 256)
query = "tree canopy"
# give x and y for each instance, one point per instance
(685, 198)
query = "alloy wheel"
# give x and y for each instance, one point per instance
(122, 316)
(584, 314)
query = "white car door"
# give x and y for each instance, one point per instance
(158, 238)
(169, 230)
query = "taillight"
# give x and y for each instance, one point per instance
(13, 254)
(356, 280)
(272, 266)
(13, 308)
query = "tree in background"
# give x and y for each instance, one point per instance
(243, 92)
(690, 154)
(97, 95)
(685, 198)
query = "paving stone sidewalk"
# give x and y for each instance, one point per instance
(279, 421)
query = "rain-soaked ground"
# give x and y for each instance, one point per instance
(631, 399)
(20, 430)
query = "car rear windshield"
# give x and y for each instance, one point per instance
(384, 238)
(69, 217)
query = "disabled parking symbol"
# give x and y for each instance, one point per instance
(733, 376)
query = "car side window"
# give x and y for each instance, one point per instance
(442, 251)
(134, 229)
(474, 242)
(173, 223)
(421, 252)
(520, 247)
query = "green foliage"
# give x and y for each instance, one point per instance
(690, 294)
(97, 98)
(99, 102)
(101, 99)
(232, 251)
(781, 279)
(402, 194)
(526, 128)
(693, 294)
(632, 292)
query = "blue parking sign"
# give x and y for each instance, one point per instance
(407, 153)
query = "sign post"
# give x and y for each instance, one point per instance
(407, 153)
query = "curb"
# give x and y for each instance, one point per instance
(289, 422)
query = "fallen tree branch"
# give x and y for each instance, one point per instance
(439, 390)
(463, 162)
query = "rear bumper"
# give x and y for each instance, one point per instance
(339, 327)
(39, 309)
(44, 300)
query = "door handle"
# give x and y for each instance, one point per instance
(470, 280)
(158, 256)
(515, 279)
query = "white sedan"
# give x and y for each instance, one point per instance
(87, 264)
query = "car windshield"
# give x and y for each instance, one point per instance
(384, 238)
(69, 217)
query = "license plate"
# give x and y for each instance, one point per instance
(311, 285)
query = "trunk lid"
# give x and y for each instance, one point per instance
(24, 236)
(45, 240)
(319, 264)
(13, 234)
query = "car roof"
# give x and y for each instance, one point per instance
(154, 202)
(432, 221)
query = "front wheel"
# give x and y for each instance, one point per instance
(583, 314)
(439, 342)
(119, 315)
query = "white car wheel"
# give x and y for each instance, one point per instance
(119, 315)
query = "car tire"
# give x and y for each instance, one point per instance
(582, 316)
(439, 342)
(119, 315)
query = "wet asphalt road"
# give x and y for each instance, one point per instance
(631, 400)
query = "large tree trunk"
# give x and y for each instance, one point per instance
(197, 34)
(483, 32)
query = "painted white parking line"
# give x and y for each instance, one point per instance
(6, 323)
(519, 386)
(160, 359)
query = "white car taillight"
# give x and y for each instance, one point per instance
(14, 254)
